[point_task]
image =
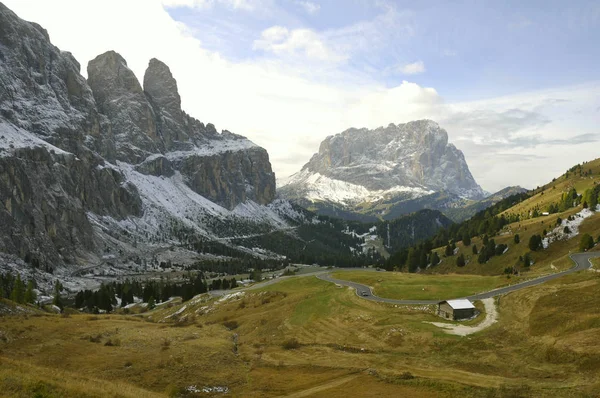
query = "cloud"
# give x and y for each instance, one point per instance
(247, 5)
(298, 42)
(308, 6)
(412, 69)
(283, 102)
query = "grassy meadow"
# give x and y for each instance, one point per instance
(399, 285)
(307, 337)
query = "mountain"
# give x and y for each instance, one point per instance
(379, 172)
(106, 165)
(109, 174)
(458, 214)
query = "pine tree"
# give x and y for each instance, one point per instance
(57, 301)
(30, 295)
(18, 293)
(466, 240)
(151, 303)
(535, 243)
(460, 260)
(517, 239)
(475, 249)
(586, 242)
(435, 259)
(449, 252)
(412, 260)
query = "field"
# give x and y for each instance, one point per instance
(306, 337)
(398, 285)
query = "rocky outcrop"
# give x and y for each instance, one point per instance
(394, 164)
(70, 147)
(120, 97)
(161, 88)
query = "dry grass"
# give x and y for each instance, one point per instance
(338, 339)
(398, 285)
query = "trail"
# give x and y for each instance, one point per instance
(321, 387)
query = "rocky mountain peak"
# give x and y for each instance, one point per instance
(108, 73)
(161, 86)
(407, 160)
(120, 97)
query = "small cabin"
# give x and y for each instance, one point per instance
(456, 309)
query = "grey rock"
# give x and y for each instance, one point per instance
(120, 97)
(414, 155)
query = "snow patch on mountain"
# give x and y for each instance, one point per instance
(568, 228)
(13, 137)
(318, 187)
(213, 148)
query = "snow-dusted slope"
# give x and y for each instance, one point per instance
(318, 187)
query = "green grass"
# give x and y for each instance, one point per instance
(397, 285)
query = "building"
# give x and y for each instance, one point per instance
(456, 309)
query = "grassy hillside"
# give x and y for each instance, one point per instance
(525, 218)
(306, 337)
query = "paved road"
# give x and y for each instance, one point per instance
(582, 262)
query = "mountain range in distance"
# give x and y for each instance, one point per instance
(363, 174)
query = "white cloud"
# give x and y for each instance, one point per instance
(412, 69)
(235, 4)
(535, 135)
(309, 6)
(297, 42)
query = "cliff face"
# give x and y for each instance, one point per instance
(69, 147)
(392, 164)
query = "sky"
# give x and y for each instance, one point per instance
(515, 83)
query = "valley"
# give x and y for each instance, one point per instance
(144, 253)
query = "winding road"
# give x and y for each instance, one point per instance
(582, 262)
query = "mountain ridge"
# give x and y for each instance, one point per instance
(397, 163)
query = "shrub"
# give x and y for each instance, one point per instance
(291, 344)
(231, 325)
(535, 243)
(406, 376)
(586, 242)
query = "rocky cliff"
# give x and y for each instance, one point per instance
(80, 157)
(393, 164)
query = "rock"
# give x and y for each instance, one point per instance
(120, 97)
(395, 163)
(161, 89)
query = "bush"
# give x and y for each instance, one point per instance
(406, 376)
(291, 344)
(517, 239)
(231, 325)
(586, 242)
(535, 243)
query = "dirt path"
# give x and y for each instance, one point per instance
(321, 387)
(491, 316)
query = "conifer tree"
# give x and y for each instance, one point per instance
(18, 293)
(30, 295)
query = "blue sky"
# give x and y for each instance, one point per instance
(469, 49)
(515, 83)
